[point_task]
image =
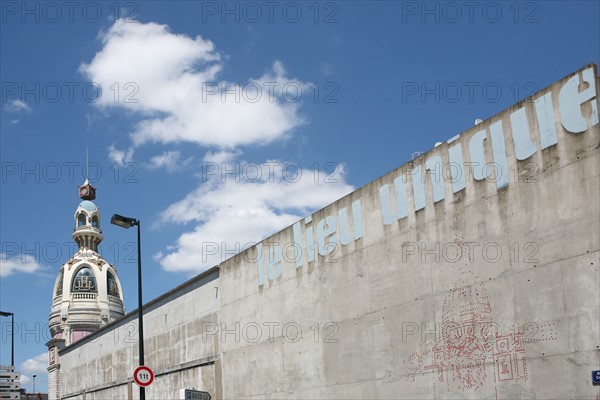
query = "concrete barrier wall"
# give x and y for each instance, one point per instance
(445, 283)
(101, 366)
(470, 272)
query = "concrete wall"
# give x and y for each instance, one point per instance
(492, 291)
(441, 284)
(101, 366)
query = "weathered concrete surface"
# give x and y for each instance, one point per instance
(392, 308)
(174, 346)
(492, 291)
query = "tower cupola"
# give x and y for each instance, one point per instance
(87, 233)
(87, 292)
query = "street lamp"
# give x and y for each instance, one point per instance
(126, 222)
(12, 335)
(34, 383)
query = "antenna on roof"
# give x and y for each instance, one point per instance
(87, 161)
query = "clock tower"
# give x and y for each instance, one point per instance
(87, 292)
(87, 191)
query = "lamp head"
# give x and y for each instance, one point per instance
(123, 222)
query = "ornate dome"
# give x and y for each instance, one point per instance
(88, 206)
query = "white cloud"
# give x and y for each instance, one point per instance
(230, 215)
(219, 157)
(17, 106)
(36, 365)
(172, 82)
(170, 160)
(18, 264)
(120, 156)
(25, 380)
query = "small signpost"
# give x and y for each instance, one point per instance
(9, 376)
(143, 376)
(596, 377)
(9, 386)
(191, 394)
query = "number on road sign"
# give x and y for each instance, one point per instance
(143, 376)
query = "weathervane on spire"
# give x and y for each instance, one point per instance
(87, 191)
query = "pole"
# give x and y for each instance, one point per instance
(140, 315)
(12, 339)
(12, 335)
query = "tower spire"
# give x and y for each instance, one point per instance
(87, 162)
(87, 292)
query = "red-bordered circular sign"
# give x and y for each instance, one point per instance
(143, 376)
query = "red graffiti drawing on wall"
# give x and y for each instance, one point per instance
(472, 351)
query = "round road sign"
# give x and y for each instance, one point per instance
(143, 376)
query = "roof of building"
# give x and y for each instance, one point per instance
(88, 206)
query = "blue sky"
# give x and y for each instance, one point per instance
(330, 96)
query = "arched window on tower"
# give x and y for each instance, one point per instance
(111, 284)
(95, 221)
(84, 281)
(81, 220)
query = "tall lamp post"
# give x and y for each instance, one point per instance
(34, 383)
(126, 222)
(12, 335)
